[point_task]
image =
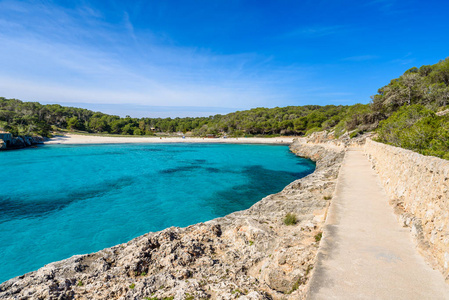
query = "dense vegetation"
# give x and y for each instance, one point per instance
(410, 103)
(25, 118)
(419, 129)
(403, 113)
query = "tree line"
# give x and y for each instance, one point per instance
(410, 100)
(30, 118)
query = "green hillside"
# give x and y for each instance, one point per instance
(411, 102)
(402, 112)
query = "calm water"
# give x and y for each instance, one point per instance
(59, 200)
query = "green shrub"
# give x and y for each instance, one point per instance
(393, 130)
(340, 129)
(355, 133)
(418, 129)
(290, 219)
(318, 236)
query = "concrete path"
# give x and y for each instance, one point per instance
(365, 253)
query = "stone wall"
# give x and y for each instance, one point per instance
(418, 187)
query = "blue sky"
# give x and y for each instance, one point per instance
(197, 58)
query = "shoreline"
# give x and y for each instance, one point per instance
(248, 252)
(75, 139)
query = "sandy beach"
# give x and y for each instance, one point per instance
(73, 139)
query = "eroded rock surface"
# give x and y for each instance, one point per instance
(249, 254)
(21, 142)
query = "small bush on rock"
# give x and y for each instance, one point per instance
(290, 219)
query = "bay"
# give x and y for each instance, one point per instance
(60, 200)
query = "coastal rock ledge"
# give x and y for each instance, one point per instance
(249, 254)
(7, 141)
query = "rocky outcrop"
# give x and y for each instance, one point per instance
(326, 139)
(249, 254)
(443, 113)
(25, 141)
(418, 187)
(21, 142)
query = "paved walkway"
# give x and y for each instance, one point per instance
(365, 253)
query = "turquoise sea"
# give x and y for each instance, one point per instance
(60, 200)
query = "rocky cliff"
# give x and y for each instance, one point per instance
(249, 254)
(21, 142)
(418, 187)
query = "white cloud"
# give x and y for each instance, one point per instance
(72, 55)
(62, 68)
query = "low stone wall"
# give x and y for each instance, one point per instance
(418, 187)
